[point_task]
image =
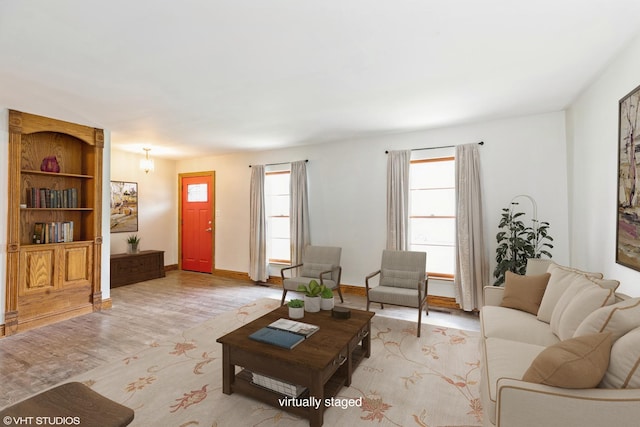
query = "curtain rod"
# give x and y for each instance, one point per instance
(281, 163)
(433, 148)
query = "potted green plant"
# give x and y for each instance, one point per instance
(517, 243)
(296, 309)
(311, 296)
(133, 240)
(326, 299)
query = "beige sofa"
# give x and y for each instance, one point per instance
(578, 351)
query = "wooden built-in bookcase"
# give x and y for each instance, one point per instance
(59, 279)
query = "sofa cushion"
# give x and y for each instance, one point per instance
(503, 359)
(524, 292)
(313, 269)
(574, 363)
(582, 298)
(293, 283)
(561, 278)
(396, 296)
(510, 324)
(618, 319)
(624, 363)
(401, 278)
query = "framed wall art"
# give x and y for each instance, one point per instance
(124, 206)
(628, 212)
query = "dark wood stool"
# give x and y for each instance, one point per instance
(74, 402)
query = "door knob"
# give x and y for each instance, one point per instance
(208, 229)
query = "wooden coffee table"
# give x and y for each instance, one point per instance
(323, 363)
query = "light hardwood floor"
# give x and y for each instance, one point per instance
(142, 313)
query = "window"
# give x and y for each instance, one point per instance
(432, 213)
(277, 207)
(197, 193)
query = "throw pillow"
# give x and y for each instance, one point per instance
(524, 292)
(624, 363)
(573, 363)
(606, 283)
(576, 303)
(618, 319)
(561, 278)
(537, 266)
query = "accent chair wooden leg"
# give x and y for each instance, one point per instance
(284, 293)
(419, 320)
(340, 293)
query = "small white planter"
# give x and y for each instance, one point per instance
(312, 304)
(296, 312)
(327, 303)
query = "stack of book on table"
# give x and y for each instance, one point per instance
(284, 333)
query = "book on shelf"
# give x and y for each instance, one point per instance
(300, 328)
(48, 198)
(280, 338)
(38, 232)
(52, 232)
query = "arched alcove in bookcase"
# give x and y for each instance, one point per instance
(54, 230)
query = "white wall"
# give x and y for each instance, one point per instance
(347, 187)
(157, 204)
(573, 183)
(523, 155)
(592, 124)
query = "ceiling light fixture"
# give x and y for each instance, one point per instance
(146, 164)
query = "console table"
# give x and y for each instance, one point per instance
(132, 268)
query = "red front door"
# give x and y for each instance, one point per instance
(196, 222)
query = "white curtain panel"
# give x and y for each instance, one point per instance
(299, 211)
(258, 267)
(471, 259)
(398, 163)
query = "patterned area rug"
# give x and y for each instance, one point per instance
(430, 381)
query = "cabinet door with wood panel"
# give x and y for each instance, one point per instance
(38, 272)
(54, 230)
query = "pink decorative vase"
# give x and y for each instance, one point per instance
(50, 164)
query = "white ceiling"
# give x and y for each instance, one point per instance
(196, 77)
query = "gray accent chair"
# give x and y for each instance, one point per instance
(403, 281)
(321, 263)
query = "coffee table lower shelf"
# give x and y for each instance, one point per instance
(243, 384)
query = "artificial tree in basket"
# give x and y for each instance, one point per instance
(517, 243)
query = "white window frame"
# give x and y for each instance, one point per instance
(423, 215)
(270, 216)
